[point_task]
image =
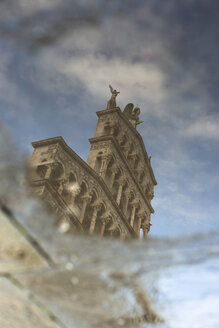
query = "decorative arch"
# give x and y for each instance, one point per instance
(97, 165)
(83, 190)
(123, 140)
(72, 177)
(117, 232)
(115, 184)
(41, 170)
(101, 215)
(136, 162)
(131, 148)
(95, 190)
(124, 197)
(131, 198)
(116, 130)
(107, 128)
(111, 221)
(94, 195)
(141, 177)
(108, 174)
(57, 171)
(104, 206)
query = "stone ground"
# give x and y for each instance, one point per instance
(48, 279)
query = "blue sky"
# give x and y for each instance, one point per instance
(58, 57)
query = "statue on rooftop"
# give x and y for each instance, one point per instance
(112, 102)
(132, 114)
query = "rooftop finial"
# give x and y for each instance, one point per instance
(112, 102)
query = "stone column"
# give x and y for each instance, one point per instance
(112, 179)
(119, 194)
(146, 229)
(139, 224)
(141, 172)
(122, 183)
(86, 200)
(61, 186)
(134, 206)
(104, 162)
(123, 234)
(102, 229)
(93, 219)
(104, 220)
(114, 170)
(125, 151)
(48, 171)
(133, 157)
(72, 200)
(113, 231)
(73, 195)
(127, 197)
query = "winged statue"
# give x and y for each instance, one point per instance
(132, 114)
(112, 102)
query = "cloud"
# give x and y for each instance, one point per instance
(136, 80)
(206, 127)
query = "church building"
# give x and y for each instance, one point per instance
(111, 193)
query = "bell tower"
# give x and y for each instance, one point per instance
(118, 155)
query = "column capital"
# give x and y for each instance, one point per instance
(113, 228)
(114, 169)
(134, 154)
(125, 148)
(53, 165)
(62, 182)
(96, 206)
(120, 139)
(123, 180)
(141, 215)
(134, 203)
(114, 224)
(104, 220)
(86, 198)
(141, 168)
(128, 193)
(146, 226)
(106, 156)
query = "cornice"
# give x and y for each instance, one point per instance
(50, 141)
(93, 173)
(137, 134)
(111, 138)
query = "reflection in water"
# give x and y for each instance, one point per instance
(190, 294)
(94, 282)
